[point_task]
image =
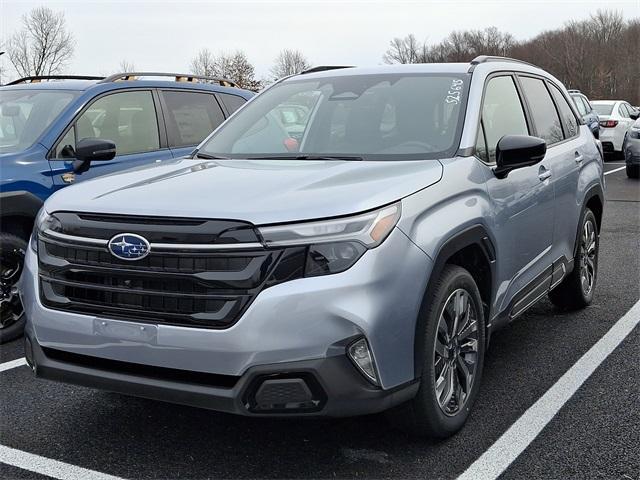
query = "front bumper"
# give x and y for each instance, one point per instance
(301, 325)
(323, 387)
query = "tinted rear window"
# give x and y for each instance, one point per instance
(603, 108)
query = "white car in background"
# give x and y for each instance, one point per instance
(616, 118)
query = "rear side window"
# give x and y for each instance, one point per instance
(128, 119)
(502, 114)
(570, 122)
(582, 108)
(624, 111)
(191, 116)
(232, 102)
(543, 110)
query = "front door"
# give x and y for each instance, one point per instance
(128, 119)
(523, 202)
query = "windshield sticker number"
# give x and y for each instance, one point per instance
(455, 92)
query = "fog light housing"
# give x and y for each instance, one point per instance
(360, 355)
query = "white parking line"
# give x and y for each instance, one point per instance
(518, 437)
(49, 467)
(614, 170)
(18, 362)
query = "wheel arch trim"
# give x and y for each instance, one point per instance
(473, 235)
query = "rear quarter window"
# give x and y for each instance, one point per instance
(232, 102)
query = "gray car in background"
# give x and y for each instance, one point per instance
(631, 150)
(357, 266)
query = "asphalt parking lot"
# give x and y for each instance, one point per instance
(595, 434)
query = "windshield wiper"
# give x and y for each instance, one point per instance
(309, 157)
(206, 156)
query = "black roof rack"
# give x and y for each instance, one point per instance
(39, 78)
(489, 58)
(324, 68)
(178, 77)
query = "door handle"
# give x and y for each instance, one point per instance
(579, 158)
(544, 174)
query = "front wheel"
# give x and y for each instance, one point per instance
(12, 319)
(454, 345)
(577, 289)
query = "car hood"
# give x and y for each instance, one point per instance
(257, 191)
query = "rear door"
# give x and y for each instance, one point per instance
(568, 157)
(129, 118)
(190, 116)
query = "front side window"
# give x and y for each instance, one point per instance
(545, 115)
(128, 119)
(26, 114)
(191, 116)
(374, 117)
(502, 113)
(570, 122)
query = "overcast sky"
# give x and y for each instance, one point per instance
(165, 35)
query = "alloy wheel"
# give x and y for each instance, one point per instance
(11, 263)
(456, 352)
(588, 252)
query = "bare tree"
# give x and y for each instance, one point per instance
(235, 67)
(126, 66)
(406, 50)
(43, 46)
(203, 63)
(289, 62)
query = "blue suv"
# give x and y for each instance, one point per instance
(48, 124)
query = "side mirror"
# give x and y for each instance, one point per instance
(518, 151)
(634, 115)
(92, 149)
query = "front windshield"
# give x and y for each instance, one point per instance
(370, 117)
(25, 114)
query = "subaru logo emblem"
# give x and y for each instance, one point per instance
(129, 246)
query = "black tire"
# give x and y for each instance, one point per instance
(423, 415)
(633, 171)
(572, 293)
(12, 318)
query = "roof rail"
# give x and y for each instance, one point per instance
(324, 68)
(178, 77)
(39, 78)
(489, 58)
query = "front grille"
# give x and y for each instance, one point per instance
(181, 286)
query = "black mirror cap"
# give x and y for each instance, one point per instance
(634, 115)
(518, 151)
(90, 149)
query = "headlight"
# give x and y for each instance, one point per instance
(370, 229)
(43, 222)
(634, 132)
(333, 246)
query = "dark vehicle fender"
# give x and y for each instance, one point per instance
(17, 212)
(593, 199)
(478, 239)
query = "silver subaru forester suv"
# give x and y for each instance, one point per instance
(346, 243)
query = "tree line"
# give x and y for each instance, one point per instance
(598, 56)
